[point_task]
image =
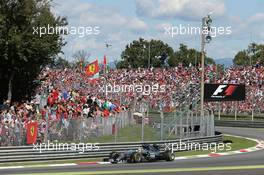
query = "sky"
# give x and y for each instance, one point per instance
(119, 22)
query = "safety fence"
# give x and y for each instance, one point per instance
(184, 124)
(184, 121)
(85, 128)
(65, 129)
(229, 110)
(100, 150)
(239, 116)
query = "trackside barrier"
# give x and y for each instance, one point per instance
(247, 124)
(70, 129)
(27, 153)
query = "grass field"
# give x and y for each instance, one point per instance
(129, 134)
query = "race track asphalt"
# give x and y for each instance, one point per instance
(238, 164)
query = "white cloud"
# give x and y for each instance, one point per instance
(119, 29)
(251, 27)
(115, 28)
(83, 13)
(182, 9)
(256, 18)
(222, 51)
(137, 25)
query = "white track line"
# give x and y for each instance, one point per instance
(64, 164)
(12, 167)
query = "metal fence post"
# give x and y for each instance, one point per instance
(161, 124)
(235, 111)
(212, 125)
(46, 137)
(142, 127)
(252, 114)
(219, 111)
(116, 129)
(82, 129)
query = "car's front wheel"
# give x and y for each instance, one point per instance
(169, 156)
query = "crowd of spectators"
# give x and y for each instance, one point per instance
(253, 78)
(65, 94)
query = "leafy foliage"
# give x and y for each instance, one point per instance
(137, 53)
(81, 57)
(252, 55)
(61, 63)
(23, 54)
(188, 56)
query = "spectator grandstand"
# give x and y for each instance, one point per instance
(68, 94)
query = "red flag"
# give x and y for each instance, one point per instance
(104, 64)
(92, 68)
(32, 132)
(104, 59)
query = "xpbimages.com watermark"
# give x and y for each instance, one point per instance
(195, 30)
(79, 147)
(134, 88)
(81, 31)
(194, 146)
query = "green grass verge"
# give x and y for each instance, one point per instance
(237, 144)
(31, 163)
(128, 134)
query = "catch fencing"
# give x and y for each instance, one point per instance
(84, 128)
(65, 130)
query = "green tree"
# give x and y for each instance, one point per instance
(253, 54)
(186, 56)
(241, 58)
(137, 54)
(258, 54)
(61, 63)
(23, 51)
(81, 57)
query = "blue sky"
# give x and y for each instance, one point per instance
(122, 21)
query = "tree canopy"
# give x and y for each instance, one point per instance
(252, 55)
(24, 53)
(188, 56)
(140, 52)
(137, 54)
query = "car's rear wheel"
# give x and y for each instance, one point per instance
(113, 156)
(135, 157)
(169, 156)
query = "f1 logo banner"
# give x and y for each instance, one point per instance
(224, 92)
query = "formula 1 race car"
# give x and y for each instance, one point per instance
(147, 153)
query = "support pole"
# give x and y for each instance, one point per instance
(202, 78)
(219, 111)
(161, 124)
